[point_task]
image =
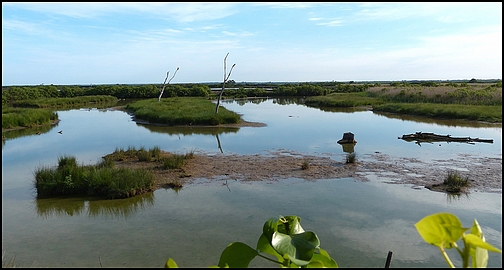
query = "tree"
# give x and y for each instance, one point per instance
(223, 83)
(164, 83)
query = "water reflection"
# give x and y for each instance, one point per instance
(189, 130)
(348, 147)
(123, 208)
(442, 122)
(259, 100)
(457, 197)
(18, 133)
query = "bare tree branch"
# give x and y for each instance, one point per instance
(164, 83)
(223, 83)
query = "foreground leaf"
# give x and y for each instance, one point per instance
(299, 247)
(441, 229)
(170, 263)
(237, 255)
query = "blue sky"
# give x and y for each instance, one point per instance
(137, 43)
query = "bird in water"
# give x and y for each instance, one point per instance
(60, 132)
(38, 133)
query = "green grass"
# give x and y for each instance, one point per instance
(434, 105)
(343, 100)
(455, 183)
(182, 111)
(23, 117)
(449, 111)
(101, 180)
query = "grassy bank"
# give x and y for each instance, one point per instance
(182, 111)
(36, 112)
(448, 111)
(480, 102)
(23, 117)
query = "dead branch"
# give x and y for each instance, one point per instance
(164, 83)
(223, 83)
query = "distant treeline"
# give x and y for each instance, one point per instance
(13, 94)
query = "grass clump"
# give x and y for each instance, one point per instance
(144, 155)
(305, 165)
(182, 111)
(101, 180)
(454, 183)
(176, 161)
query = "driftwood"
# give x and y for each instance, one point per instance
(431, 137)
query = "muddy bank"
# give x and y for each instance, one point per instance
(485, 174)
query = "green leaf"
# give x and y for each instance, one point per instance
(299, 247)
(479, 255)
(170, 263)
(325, 258)
(237, 255)
(474, 240)
(441, 229)
(263, 245)
(270, 227)
(476, 230)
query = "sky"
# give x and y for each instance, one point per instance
(85, 43)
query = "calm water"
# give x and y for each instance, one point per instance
(357, 223)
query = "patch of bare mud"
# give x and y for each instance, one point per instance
(485, 174)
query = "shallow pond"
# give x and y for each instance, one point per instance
(357, 222)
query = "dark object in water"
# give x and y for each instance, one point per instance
(431, 137)
(348, 137)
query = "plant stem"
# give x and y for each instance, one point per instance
(447, 259)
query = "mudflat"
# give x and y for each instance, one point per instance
(485, 174)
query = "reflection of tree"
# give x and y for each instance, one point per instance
(218, 142)
(288, 100)
(75, 206)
